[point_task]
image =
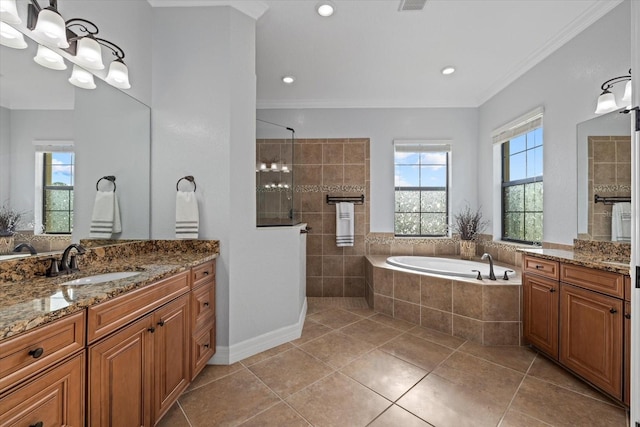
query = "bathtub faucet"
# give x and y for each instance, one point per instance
(492, 275)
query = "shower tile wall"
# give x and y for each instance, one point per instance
(609, 175)
(335, 167)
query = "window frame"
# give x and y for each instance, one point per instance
(43, 147)
(517, 182)
(439, 146)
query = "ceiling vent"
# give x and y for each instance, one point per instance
(407, 5)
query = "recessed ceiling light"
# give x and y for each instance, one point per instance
(448, 70)
(288, 79)
(325, 9)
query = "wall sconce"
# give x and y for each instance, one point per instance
(607, 101)
(76, 36)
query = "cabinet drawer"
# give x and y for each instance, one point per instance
(203, 305)
(541, 267)
(109, 316)
(23, 356)
(55, 398)
(597, 280)
(203, 273)
(203, 347)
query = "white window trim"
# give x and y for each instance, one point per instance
(501, 134)
(440, 144)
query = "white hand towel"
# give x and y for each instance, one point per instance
(344, 224)
(621, 222)
(187, 216)
(104, 215)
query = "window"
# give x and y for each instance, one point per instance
(57, 192)
(522, 187)
(421, 188)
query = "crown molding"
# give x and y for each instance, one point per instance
(254, 9)
(579, 24)
(278, 104)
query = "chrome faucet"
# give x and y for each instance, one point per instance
(70, 265)
(492, 275)
(21, 246)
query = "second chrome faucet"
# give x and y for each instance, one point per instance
(492, 275)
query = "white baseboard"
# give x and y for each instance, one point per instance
(226, 355)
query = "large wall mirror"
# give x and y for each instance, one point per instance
(106, 130)
(604, 178)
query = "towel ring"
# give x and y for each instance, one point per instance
(189, 178)
(109, 178)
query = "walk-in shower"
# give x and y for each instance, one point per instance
(275, 175)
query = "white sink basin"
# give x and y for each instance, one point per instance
(100, 278)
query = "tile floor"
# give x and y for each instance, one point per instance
(355, 367)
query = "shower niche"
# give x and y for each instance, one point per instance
(275, 175)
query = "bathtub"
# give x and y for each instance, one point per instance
(447, 266)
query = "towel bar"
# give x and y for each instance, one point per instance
(358, 200)
(610, 200)
(109, 178)
(189, 178)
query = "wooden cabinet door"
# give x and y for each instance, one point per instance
(540, 313)
(55, 398)
(120, 377)
(627, 353)
(171, 353)
(591, 337)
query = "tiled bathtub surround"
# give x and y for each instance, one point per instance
(484, 312)
(42, 242)
(336, 167)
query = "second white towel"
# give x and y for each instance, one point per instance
(344, 224)
(187, 216)
(621, 222)
(105, 220)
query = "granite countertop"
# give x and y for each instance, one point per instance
(585, 259)
(28, 302)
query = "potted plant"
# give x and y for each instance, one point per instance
(468, 225)
(9, 220)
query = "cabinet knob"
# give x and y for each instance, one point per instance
(627, 315)
(151, 329)
(206, 273)
(206, 346)
(539, 267)
(206, 303)
(613, 311)
(36, 353)
(552, 290)
(38, 424)
(161, 322)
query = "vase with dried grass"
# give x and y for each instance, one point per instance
(9, 220)
(468, 224)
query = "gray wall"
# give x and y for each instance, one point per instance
(567, 85)
(5, 155)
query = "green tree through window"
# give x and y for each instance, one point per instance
(421, 189)
(57, 192)
(522, 187)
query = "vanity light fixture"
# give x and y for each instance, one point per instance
(10, 37)
(9, 12)
(288, 79)
(607, 100)
(49, 59)
(325, 9)
(78, 37)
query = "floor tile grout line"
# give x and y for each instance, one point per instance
(516, 392)
(184, 393)
(184, 413)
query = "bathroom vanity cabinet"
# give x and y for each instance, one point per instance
(576, 316)
(42, 375)
(121, 362)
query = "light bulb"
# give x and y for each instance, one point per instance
(51, 28)
(118, 75)
(10, 37)
(82, 78)
(89, 54)
(9, 12)
(49, 59)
